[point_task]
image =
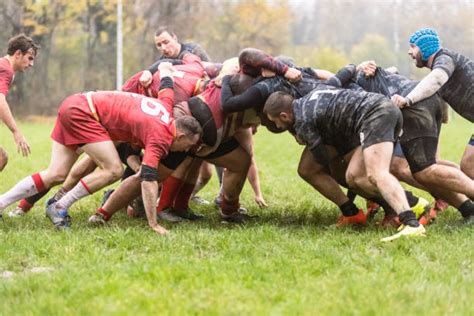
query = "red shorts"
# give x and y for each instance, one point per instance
(75, 125)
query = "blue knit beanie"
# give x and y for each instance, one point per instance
(427, 41)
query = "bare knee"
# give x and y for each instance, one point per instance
(115, 171)
(3, 159)
(351, 179)
(467, 166)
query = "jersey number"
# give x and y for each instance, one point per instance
(154, 108)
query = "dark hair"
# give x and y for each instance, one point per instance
(189, 125)
(164, 28)
(23, 43)
(278, 102)
(240, 82)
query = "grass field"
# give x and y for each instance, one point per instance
(290, 261)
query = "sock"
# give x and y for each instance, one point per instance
(58, 195)
(29, 202)
(412, 200)
(229, 207)
(24, 205)
(467, 208)
(170, 188)
(26, 187)
(408, 218)
(104, 213)
(183, 196)
(78, 192)
(349, 209)
(351, 195)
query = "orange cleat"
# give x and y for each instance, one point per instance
(372, 209)
(440, 205)
(428, 217)
(358, 219)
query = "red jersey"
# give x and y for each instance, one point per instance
(138, 120)
(6, 75)
(187, 79)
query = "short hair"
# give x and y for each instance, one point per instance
(240, 82)
(23, 43)
(278, 102)
(188, 125)
(164, 28)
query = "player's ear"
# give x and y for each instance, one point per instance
(283, 116)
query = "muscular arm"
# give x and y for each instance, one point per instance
(252, 60)
(149, 186)
(6, 115)
(343, 76)
(323, 74)
(429, 85)
(154, 68)
(252, 97)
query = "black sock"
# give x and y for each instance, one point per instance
(387, 209)
(351, 195)
(408, 218)
(349, 209)
(467, 208)
(412, 200)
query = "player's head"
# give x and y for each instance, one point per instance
(22, 49)
(239, 83)
(166, 42)
(279, 109)
(188, 133)
(423, 44)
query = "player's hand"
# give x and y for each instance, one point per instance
(145, 79)
(260, 201)
(165, 69)
(399, 101)
(21, 144)
(266, 73)
(293, 74)
(160, 230)
(368, 68)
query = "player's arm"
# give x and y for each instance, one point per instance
(429, 85)
(149, 185)
(154, 68)
(252, 61)
(230, 103)
(212, 69)
(343, 76)
(7, 117)
(323, 74)
(166, 92)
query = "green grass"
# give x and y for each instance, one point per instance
(290, 261)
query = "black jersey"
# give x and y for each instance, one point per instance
(332, 116)
(458, 91)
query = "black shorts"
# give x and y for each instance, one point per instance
(174, 159)
(471, 141)
(381, 124)
(420, 152)
(224, 148)
(422, 119)
(201, 112)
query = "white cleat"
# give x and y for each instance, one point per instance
(407, 231)
(97, 219)
(17, 212)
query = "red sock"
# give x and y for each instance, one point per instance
(183, 196)
(104, 213)
(229, 207)
(170, 188)
(24, 205)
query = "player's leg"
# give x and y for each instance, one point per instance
(467, 162)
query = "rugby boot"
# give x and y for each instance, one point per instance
(187, 213)
(358, 219)
(236, 217)
(168, 216)
(372, 209)
(60, 218)
(407, 231)
(97, 219)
